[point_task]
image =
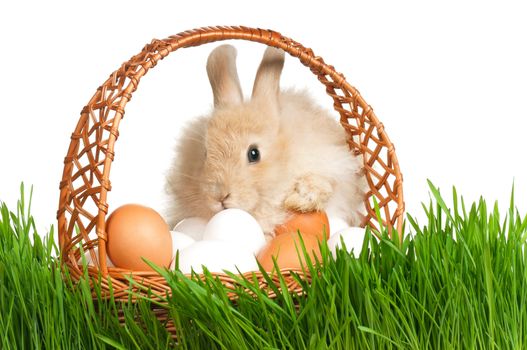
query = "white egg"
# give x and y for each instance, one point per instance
(353, 238)
(192, 227)
(236, 226)
(216, 256)
(89, 260)
(336, 224)
(180, 241)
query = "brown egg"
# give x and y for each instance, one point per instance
(314, 223)
(135, 231)
(284, 249)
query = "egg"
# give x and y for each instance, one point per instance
(284, 249)
(216, 256)
(135, 232)
(180, 241)
(353, 238)
(192, 227)
(89, 260)
(313, 223)
(238, 227)
(336, 223)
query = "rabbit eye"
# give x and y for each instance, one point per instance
(253, 154)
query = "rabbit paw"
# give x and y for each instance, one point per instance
(310, 192)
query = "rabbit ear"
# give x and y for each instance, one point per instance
(267, 82)
(223, 77)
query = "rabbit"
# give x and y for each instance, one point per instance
(272, 155)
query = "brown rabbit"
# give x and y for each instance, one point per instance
(271, 155)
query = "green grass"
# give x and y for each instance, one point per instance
(459, 282)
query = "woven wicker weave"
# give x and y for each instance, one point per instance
(86, 178)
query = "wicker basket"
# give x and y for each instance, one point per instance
(86, 178)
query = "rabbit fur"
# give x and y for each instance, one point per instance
(303, 159)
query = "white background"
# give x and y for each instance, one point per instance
(448, 80)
